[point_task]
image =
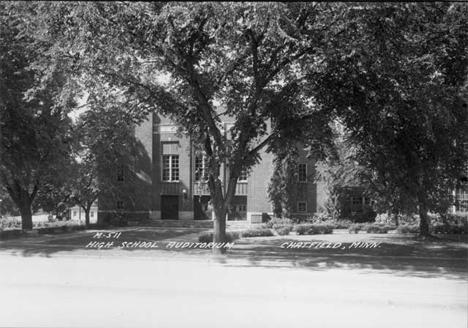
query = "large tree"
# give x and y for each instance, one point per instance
(243, 61)
(398, 80)
(34, 138)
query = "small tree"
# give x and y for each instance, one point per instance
(282, 188)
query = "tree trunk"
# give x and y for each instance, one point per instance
(87, 210)
(423, 220)
(219, 228)
(26, 216)
(395, 217)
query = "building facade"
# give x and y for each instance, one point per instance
(165, 181)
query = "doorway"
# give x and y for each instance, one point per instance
(169, 207)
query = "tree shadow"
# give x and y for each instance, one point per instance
(444, 256)
(396, 255)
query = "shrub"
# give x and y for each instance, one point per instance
(262, 232)
(10, 223)
(454, 228)
(283, 231)
(207, 236)
(279, 222)
(367, 215)
(408, 228)
(321, 217)
(355, 228)
(314, 229)
(378, 228)
(341, 224)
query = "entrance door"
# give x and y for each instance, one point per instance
(169, 207)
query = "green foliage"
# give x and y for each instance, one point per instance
(355, 228)
(197, 63)
(377, 228)
(367, 215)
(341, 224)
(10, 223)
(282, 187)
(370, 228)
(278, 222)
(339, 171)
(257, 232)
(408, 228)
(314, 229)
(397, 80)
(283, 230)
(36, 138)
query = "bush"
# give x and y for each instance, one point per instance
(207, 237)
(262, 232)
(284, 230)
(10, 223)
(459, 228)
(408, 228)
(279, 222)
(378, 228)
(314, 229)
(355, 228)
(321, 217)
(341, 224)
(367, 215)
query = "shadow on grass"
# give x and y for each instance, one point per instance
(398, 255)
(87, 242)
(435, 257)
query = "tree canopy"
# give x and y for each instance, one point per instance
(398, 80)
(198, 63)
(35, 140)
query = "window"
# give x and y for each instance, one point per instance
(243, 175)
(92, 214)
(120, 205)
(357, 201)
(75, 213)
(120, 173)
(461, 198)
(302, 206)
(302, 171)
(170, 168)
(241, 208)
(200, 164)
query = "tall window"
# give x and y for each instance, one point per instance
(461, 196)
(120, 176)
(302, 171)
(243, 175)
(170, 168)
(200, 164)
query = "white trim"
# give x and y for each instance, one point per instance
(165, 128)
(171, 173)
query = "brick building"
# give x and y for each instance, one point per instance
(164, 181)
